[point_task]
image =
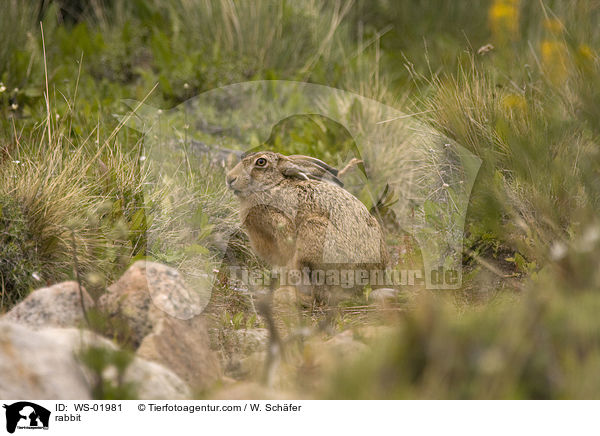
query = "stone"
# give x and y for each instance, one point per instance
(183, 347)
(42, 364)
(384, 295)
(180, 342)
(58, 306)
(129, 300)
(37, 365)
(251, 340)
(156, 382)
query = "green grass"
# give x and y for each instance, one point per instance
(74, 182)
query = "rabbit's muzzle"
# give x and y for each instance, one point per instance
(230, 181)
(240, 181)
(236, 183)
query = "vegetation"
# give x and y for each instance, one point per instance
(516, 83)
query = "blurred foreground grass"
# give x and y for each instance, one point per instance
(517, 83)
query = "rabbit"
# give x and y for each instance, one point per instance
(298, 217)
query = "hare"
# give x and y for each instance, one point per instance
(298, 217)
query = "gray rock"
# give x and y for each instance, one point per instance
(39, 365)
(147, 293)
(154, 381)
(42, 364)
(384, 295)
(183, 347)
(58, 306)
(178, 343)
(217, 155)
(128, 300)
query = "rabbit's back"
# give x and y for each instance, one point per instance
(353, 236)
(317, 223)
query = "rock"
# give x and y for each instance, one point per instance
(129, 300)
(251, 340)
(42, 364)
(217, 155)
(37, 365)
(184, 347)
(58, 305)
(146, 293)
(179, 343)
(156, 382)
(384, 295)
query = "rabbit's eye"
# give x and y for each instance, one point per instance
(260, 162)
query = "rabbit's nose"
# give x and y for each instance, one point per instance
(231, 180)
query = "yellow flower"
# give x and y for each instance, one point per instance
(504, 20)
(586, 52)
(502, 11)
(585, 57)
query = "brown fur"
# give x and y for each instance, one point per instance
(298, 216)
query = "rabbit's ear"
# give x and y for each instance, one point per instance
(313, 161)
(316, 169)
(288, 169)
(326, 176)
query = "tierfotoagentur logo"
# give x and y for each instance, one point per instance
(424, 179)
(25, 415)
(344, 278)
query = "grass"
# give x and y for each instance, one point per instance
(516, 83)
(56, 191)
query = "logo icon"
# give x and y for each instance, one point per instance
(26, 415)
